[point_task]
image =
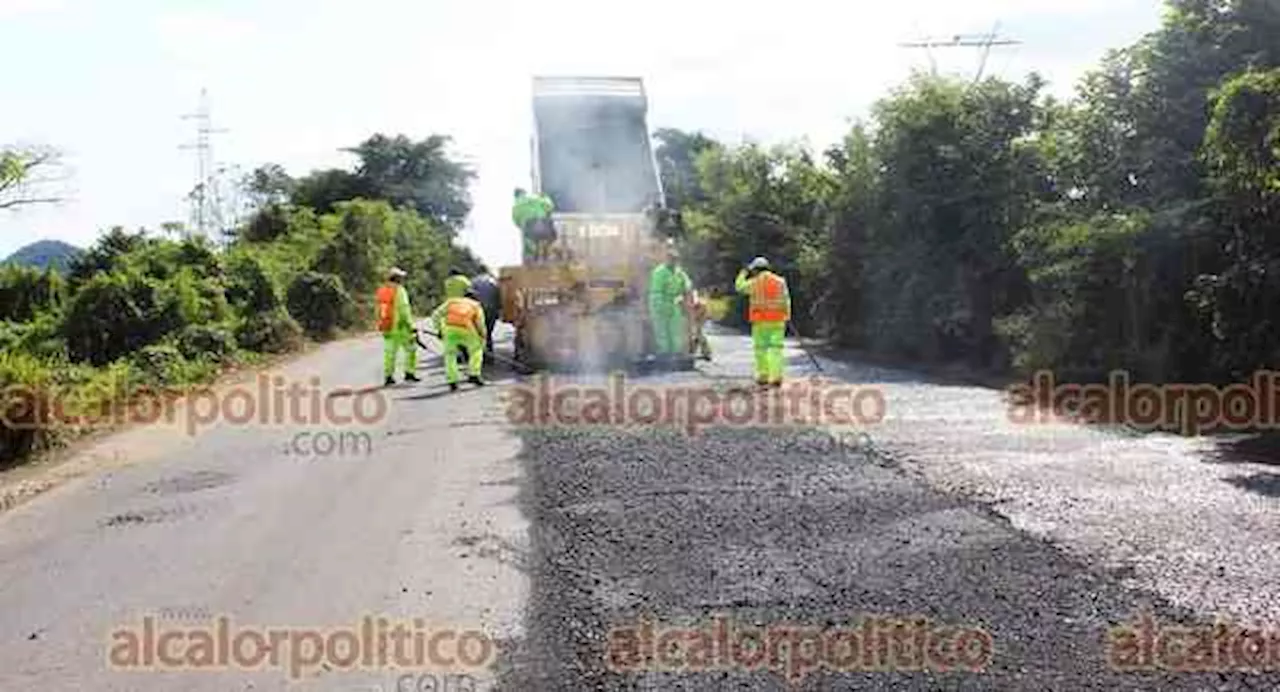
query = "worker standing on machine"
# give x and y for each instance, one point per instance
(532, 214)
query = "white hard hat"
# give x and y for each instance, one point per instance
(758, 263)
(396, 272)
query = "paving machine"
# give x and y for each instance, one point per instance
(585, 308)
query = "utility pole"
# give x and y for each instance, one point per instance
(203, 195)
(983, 41)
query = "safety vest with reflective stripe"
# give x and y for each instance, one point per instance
(462, 312)
(769, 299)
(386, 307)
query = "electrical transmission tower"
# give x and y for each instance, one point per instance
(982, 41)
(206, 209)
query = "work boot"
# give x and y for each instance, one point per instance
(475, 379)
(410, 377)
(390, 381)
(453, 386)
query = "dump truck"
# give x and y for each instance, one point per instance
(585, 307)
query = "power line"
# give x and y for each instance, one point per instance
(984, 41)
(205, 208)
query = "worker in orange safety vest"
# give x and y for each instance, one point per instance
(395, 321)
(769, 310)
(460, 321)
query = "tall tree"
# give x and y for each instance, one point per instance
(25, 176)
(419, 175)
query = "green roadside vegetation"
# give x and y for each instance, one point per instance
(1135, 226)
(142, 311)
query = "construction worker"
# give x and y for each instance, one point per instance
(668, 285)
(459, 320)
(696, 312)
(532, 214)
(395, 321)
(769, 311)
(487, 292)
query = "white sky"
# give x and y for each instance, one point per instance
(295, 80)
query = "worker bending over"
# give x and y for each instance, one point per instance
(490, 297)
(532, 214)
(395, 321)
(769, 310)
(696, 311)
(460, 322)
(668, 285)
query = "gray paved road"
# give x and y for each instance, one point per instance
(247, 522)
(556, 540)
(790, 529)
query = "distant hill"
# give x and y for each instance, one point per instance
(43, 253)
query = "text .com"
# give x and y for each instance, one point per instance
(330, 444)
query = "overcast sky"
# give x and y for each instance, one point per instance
(294, 80)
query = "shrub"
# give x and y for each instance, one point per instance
(105, 256)
(196, 300)
(249, 287)
(163, 365)
(209, 342)
(269, 332)
(268, 224)
(116, 314)
(25, 291)
(320, 304)
(157, 364)
(41, 337)
(24, 380)
(361, 248)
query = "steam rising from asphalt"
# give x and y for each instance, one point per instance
(595, 155)
(596, 159)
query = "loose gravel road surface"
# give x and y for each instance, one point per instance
(1009, 549)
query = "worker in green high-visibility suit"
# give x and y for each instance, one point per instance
(532, 214)
(668, 284)
(395, 321)
(459, 320)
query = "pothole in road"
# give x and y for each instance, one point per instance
(493, 548)
(189, 483)
(145, 516)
